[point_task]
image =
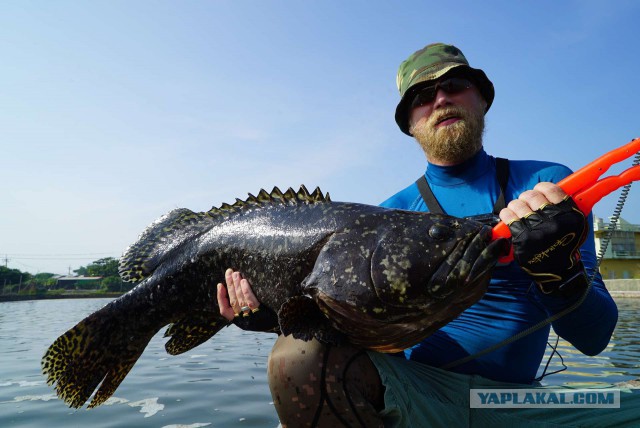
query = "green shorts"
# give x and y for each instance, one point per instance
(417, 395)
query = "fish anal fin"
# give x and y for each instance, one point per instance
(190, 332)
(300, 317)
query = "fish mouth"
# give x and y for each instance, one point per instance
(469, 265)
(488, 258)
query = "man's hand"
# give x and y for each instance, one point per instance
(235, 296)
(548, 230)
(239, 305)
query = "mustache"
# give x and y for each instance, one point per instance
(447, 112)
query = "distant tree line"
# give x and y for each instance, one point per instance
(16, 281)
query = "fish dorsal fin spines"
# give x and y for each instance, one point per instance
(290, 194)
(318, 196)
(263, 196)
(276, 196)
(252, 200)
(166, 234)
(303, 193)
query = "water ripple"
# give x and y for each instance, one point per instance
(220, 383)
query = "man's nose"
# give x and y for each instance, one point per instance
(442, 99)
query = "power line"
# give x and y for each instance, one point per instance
(56, 256)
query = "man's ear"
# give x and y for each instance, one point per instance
(411, 127)
(484, 103)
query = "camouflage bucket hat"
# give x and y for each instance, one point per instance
(429, 64)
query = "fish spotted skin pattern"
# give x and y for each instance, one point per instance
(382, 279)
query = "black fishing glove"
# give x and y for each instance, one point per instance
(260, 319)
(546, 245)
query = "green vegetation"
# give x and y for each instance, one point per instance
(16, 282)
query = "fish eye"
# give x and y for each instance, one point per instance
(440, 232)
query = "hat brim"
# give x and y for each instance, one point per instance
(478, 76)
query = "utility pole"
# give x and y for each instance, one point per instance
(6, 260)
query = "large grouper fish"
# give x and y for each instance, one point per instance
(382, 279)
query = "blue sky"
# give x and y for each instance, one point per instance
(114, 112)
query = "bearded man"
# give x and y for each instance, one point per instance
(443, 103)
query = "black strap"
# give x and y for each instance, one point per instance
(502, 174)
(428, 196)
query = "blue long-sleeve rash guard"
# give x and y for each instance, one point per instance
(512, 303)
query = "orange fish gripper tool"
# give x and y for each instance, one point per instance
(585, 187)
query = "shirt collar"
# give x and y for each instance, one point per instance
(464, 172)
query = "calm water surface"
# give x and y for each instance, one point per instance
(219, 384)
(620, 361)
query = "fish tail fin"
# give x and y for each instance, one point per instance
(115, 376)
(190, 332)
(97, 353)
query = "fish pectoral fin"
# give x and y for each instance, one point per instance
(190, 332)
(300, 317)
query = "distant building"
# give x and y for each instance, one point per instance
(84, 282)
(622, 258)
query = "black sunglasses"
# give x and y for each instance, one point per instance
(452, 85)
